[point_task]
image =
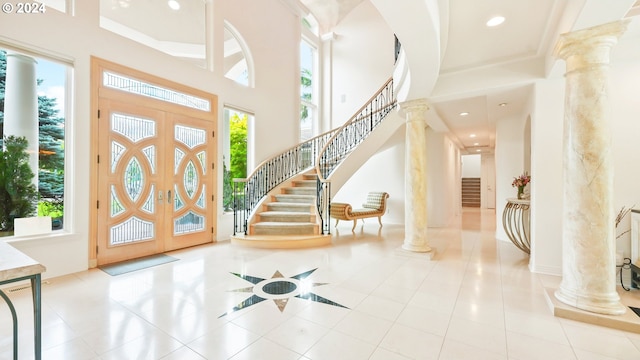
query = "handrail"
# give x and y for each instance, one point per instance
(345, 139)
(329, 148)
(248, 192)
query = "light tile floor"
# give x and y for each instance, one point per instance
(476, 299)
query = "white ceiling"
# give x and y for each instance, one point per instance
(477, 55)
(473, 55)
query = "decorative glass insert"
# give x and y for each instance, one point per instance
(189, 222)
(190, 179)
(190, 136)
(177, 201)
(133, 86)
(117, 150)
(130, 231)
(149, 204)
(133, 179)
(179, 155)
(202, 157)
(116, 205)
(133, 128)
(150, 153)
(201, 200)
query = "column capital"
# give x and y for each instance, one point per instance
(414, 105)
(414, 109)
(583, 48)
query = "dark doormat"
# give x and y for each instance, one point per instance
(136, 264)
(635, 310)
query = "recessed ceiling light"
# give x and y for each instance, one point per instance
(476, 144)
(472, 135)
(502, 104)
(174, 4)
(478, 150)
(495, 21)
(464, 113)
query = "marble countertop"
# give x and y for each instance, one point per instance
(518, 201)
(15, 264)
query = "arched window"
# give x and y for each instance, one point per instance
(238, 65)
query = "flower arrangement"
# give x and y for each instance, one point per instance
(521, 180)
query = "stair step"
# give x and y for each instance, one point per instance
(295, 198)
(285, 216)
(283, 228)
(312, 183)
(290, 207)
(301, 190)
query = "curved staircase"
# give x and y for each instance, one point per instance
(287, 219)
(285, 202)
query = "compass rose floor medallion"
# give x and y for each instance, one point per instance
(280, 290)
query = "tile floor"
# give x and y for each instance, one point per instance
(475, 300)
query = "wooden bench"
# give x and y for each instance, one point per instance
(374, 206)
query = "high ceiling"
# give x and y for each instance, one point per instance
(475, 57)
(474, 52)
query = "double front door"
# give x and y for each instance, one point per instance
(155, 181)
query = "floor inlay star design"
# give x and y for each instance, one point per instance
(280, 290)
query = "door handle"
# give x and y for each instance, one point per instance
(169, 196)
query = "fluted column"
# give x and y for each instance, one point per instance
(21, 104)
(588, 234)
(415, 193)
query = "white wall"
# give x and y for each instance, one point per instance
(508, 162)
(546, 177)
(625, 126)
(471, 166)
(273, 39)
(383, 172)
(443, 187)
(363, 56)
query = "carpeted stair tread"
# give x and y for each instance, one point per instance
(306, 183)
(284, 216)
(301, 190)
(290, 207)
(283, 228)
(295, 198)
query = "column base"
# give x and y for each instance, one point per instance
(608, 304)
(424, 248)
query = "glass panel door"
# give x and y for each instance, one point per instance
(130, 197)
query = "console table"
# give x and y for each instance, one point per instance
(515, 220)
(16, 266)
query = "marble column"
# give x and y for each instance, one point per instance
(415, 193)
(588, 234)
(21, 104)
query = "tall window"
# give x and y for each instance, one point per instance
(308, 91)
(236, 126)
(50, 85)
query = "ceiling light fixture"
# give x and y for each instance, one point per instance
(464, 113)
(495, 21)
(502, 104)
(476, 144)
(174, 4)
(478, 150)
(472, 135)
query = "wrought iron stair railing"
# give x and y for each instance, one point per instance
(324, 152)
(345, 140)
(248, 192)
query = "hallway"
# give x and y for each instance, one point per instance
(366, 300)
